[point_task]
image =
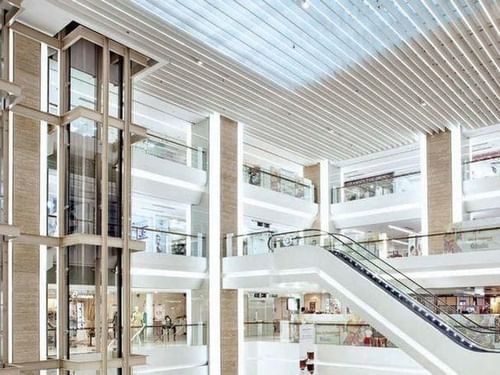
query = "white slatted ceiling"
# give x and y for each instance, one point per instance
(338, 80)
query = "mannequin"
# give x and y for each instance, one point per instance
(137, 317)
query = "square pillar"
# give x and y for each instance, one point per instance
(225, 216)
(25, 197)
(439, 188)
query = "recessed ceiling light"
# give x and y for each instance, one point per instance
(422, 103)
(199, 62)
(305, 4)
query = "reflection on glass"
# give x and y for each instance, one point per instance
(83, 164)
(85, 62)
(166, 242)
(83, 279)
(114, 181)
(52, 303)
(272, 180)
(116, 85)
(407, 183)
(52, 183)
(84, 295)
(482, 168)
(173, 151)
(53, 86)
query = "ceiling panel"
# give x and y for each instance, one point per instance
(335, 79)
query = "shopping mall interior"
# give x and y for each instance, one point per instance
(227, 187)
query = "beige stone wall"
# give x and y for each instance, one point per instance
(439, 187)
(312, 172)
(26, 179)
(229, 224)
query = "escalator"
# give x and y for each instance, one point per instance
(410, 315)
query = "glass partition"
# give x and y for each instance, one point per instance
(297, 188)
(163, 148)
(85, 59)
(376, 187)
(167, 242)
(481, 168)
(346, 334)
(52, 302)
(84, 306)
(163, 334)
(248, 244)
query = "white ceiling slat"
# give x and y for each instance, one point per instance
(353, 82)
(205, 65)
(247, 100)
(373, 74)
(433, 93)
(219, 105)
(223, 104)
(483, 52)
(330, 80)
(439, 50)
(419, 73)
(462, 68)
(324, 93)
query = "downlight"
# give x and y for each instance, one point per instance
(305, 4)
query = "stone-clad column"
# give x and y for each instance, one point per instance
(26, 206)
(229, 224)
(439, 188)
(319, 175)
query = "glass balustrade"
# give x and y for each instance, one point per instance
(460, 328)
(460, 241)
(282, 184)
(376, 187)
(167, 242)
(481, 168)
(160, 335)
(167, 149)
(346, 334)
(248, 244)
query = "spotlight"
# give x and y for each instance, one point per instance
(305, 4)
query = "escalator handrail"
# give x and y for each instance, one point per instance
(334, 236)
(487, 330)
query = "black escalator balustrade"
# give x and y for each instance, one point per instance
(459, 328)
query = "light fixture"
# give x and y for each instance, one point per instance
(305, 4)
(404, 230)
(199, 62)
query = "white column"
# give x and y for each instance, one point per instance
(424, 219)
(456, 174)
(214, 246)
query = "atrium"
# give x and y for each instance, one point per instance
(236, 187)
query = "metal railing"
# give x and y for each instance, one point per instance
(282, 184)
(375, 187)
(168, 242)
(161, 335)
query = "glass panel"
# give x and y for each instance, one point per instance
(488, 166)
(52, 320)
(114, 303)
(83, 277)
(116, 85)
(297, 188)
(53, 86)
(172, 150)
(167, 242)
(85, 62)
(115, 185)
(83, 165)
(375, 187)
(52, 182)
